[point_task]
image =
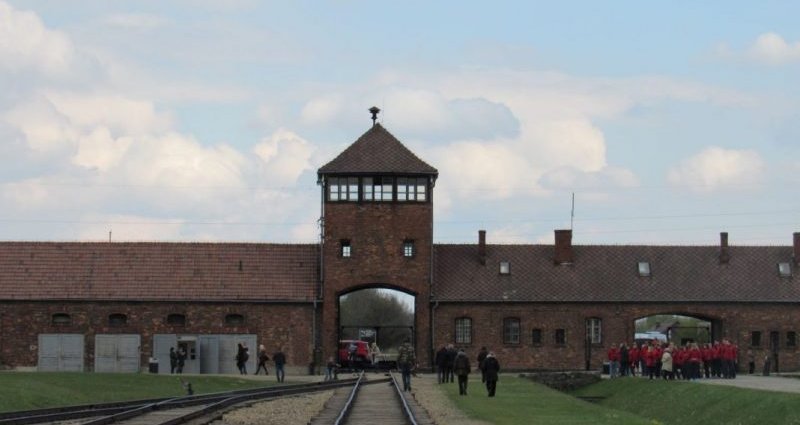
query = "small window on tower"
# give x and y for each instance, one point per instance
(346, 250)
(408, 248)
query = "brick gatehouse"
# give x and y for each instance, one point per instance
(114, 306)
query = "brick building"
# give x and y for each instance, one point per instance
(113, 306)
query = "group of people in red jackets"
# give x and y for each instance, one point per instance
(655, 359)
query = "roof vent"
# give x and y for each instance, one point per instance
(797, 247)
(482, 246)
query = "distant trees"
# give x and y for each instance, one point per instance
(371, 314)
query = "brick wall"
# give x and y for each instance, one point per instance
(275, 325)
(733, 321)
(376, 232)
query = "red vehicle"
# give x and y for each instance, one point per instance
(359, 350)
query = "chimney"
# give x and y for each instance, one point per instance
(482, 246)
(797, 247)
(724, 255)
(563, 248)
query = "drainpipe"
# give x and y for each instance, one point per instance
(434, 305)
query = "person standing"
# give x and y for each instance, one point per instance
(173, 360)
(280, 360)
(624, 360)
(613, 361)
(263, 358)
(449, 360)
(330, 369)
(406, 361)
(181, 360)
(491, 368)
(242, 356)
(461, 368)
(666, 364)
(375, 352)
(481, 357)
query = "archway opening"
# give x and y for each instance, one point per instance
(678, 329)
(373, 323)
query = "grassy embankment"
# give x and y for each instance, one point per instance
(628, 401)
(35, 390)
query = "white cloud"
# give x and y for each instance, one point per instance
(25, 43)
(135, 21)
(285, 155)
(768, 48)
(717, 168)
(322, 110)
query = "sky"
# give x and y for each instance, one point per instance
(667, 122)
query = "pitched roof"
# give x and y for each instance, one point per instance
(609, 273)
(377, 151)
(157, 271)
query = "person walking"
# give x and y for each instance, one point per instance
(406, 362)
(280, 360)
(449, 360)
(481, 357)
(263, 358)
(461, 368)
(439, 361)
(181, 360)
(492, 369)
(330, 369)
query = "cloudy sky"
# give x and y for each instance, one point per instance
(206, 121)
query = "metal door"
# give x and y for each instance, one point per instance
(60, 353)
(117, 353)
(209, 353)
(161, 345)
(228, 345)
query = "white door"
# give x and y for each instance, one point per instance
(117, 353)
(60, 353)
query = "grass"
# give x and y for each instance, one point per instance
(36, 390)
(522, 401)
(678, 402)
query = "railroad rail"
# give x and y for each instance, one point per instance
(369, 402)
(163, 411)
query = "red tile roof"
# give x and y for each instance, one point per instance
(610, 273)
(377, 151)
(158, 271)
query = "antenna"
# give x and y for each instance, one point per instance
(109, 236)
(572, 212)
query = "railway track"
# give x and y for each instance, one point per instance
(163, 411)
(370, 402)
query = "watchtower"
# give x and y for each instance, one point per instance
(377, 228)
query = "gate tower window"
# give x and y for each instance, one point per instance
(378, 189)
(343, 189)
(345, 248)
(408, 248)
(412, 189)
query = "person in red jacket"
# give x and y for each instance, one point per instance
(633, 357)
(650, 361)
(613, 361)
(707, 358)
(695, 358)
(678, 362)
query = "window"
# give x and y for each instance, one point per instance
(536, 336)
(378, 188)
(561, 336)
(117, 319)
(791, 339)
(755, 338)
(408, 248)
(785, 269)
(345, 249)
(511, 331)
(644, 268)
(343, 189)
(505, 267)
(61, 319)
(176, 319)
(234, 319)
(412, 189)
(594, 329)
(463, 330)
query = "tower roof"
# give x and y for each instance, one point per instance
(377, 152)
